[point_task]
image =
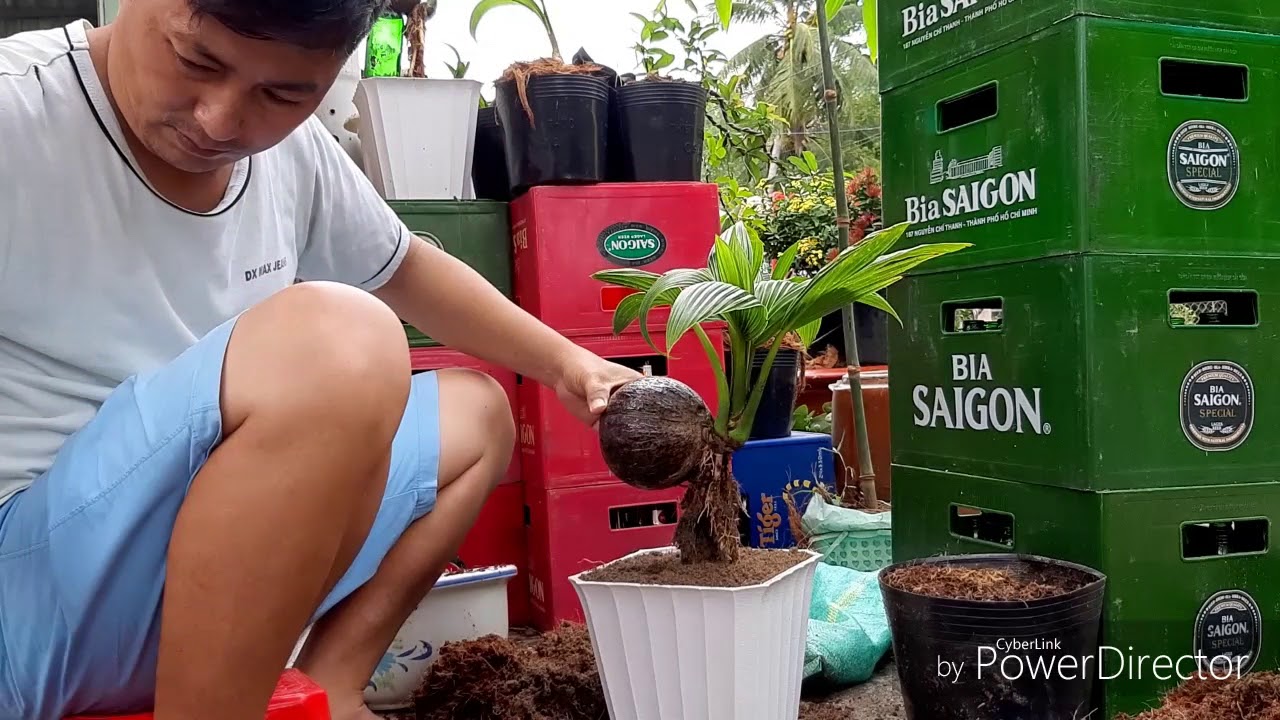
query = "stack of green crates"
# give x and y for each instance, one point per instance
(478, 232)
(1089, 380)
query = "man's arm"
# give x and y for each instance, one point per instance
(455, 305)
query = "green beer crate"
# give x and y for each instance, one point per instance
(921, 37)
(1191, 571)
(1093, 136)
(1098, 372)
(478, 232)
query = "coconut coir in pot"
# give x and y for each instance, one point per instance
(1252, 697)
(957, 582)
(753, 567)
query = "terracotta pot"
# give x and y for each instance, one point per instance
(875, 398)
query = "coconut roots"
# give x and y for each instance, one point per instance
(708, 527)
(519, 74)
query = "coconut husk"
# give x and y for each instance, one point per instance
(520, 72)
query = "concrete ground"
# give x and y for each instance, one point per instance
(877, 699)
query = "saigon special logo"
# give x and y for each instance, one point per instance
(1204, 165)
(1228, 634)
(1217, 405)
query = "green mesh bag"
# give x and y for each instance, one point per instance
(847, 537)
(848, 628)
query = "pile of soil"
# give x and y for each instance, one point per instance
(960, 582)
(492, 678)
(753, 567)
(1255, 697)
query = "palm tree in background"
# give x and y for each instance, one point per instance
(784, 69)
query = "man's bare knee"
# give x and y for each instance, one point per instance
(320, 351)
(476, 423)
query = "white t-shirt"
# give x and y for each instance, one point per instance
(101, 278)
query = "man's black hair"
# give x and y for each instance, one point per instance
(337, 25)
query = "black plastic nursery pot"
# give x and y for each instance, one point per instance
(489, 166)
(973, 660)
(660, 130)
(773, 415)
(564, 140)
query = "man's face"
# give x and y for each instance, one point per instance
(201, 97)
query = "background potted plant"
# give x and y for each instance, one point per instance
(403, 161)
(691, 617)
(554, 115)
(661, 119)
(802, 208)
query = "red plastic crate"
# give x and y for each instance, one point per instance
(557, 450)
(559, 234)
(296, 698)
(499, 538)
(437, 358)
(576, 529)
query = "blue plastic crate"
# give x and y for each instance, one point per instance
(765, 469)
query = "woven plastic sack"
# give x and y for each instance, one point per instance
(848, 628)
(847, 537)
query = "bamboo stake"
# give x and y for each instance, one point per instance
(866, 473)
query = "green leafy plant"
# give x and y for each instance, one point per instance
(459, 68)
(805, 420)
(803, 210)
(870, 19)
(761, 308)
(654, 31)
(537, 7)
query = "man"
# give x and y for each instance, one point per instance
(199, 457)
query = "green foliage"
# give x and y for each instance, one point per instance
(760, 307)
(537, 7)
(870, 20)
(459, 68)
(805, 420)
(802, 212)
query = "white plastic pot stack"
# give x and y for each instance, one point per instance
(699, 652)
(418, 136)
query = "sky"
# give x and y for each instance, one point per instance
(605, 28)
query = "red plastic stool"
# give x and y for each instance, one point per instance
(295, 698)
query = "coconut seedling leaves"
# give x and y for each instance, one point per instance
(626, 313)
(845, 285)
(878, 302)
(808, 333)
(736, 257)
(627, 278)
(705, 302)
(761, 306)
(664, 292)
(785, 261)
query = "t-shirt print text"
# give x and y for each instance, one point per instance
(265, 269)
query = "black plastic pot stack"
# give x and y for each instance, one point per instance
(589, 128)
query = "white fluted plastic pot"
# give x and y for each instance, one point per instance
(666, 651)
(418, 136)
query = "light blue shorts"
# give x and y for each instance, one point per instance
(82, 550)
